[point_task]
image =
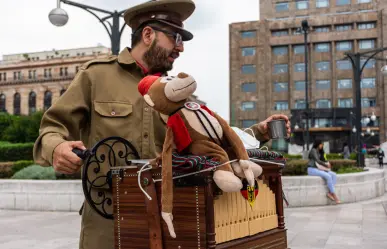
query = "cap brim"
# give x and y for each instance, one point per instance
(185, 34)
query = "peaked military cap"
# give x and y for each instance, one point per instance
(170, 12)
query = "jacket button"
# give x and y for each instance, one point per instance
(146, 109)
(145, 135)
(113, 113)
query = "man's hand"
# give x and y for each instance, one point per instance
(263, 126)
(65, 161)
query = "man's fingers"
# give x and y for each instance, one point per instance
(72, 158)
(78, 144)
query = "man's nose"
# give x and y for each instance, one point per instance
(180, 47)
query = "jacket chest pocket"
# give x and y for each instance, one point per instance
(112, 118)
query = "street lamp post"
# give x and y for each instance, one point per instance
(305, 29)
(59, 18)
(355, 59)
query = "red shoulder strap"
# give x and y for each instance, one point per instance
(180, 132)
(208, 110)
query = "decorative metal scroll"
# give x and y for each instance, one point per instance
(97, 176)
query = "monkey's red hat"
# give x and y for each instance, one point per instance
(146, 83)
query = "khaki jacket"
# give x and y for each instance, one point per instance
(102, 101)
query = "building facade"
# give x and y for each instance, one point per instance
(34, 81)
(267, 67)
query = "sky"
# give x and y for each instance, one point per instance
(25, 28)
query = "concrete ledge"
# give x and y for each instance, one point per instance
(41, 195)
(302, 191)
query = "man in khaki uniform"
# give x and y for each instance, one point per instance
(103, 101)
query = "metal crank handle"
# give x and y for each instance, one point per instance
(83, 154)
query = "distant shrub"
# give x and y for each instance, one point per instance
(35, 172)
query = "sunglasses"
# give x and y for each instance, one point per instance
(178, 38)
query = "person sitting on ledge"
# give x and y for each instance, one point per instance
(317, 167)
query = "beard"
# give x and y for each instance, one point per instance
(157, 59)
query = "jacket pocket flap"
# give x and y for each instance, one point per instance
(113, 109)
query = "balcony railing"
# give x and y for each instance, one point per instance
(26, 80)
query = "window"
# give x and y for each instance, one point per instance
(249, 87)
(16, 104)
(299, 85)
(280, 68)
(302, 4)
(1, 75)
(323, 84)
(5, 76)
(370, 63)
(343, 46)
(282, 32)
(248, 105)
(281, 105)
(280, 50)
(248, 69)
(342, 2)
(248, 51)
(322, 29)
(2, 103)
(280, 7)
(343, 27)
(345, 103)
(29, 74)
(366, 44)
(323, 103)
(344, 65)
(323, 122)
(280, 87)
(61, 71)
(34, 74)
(76, 69)
(344, 84)
(341, 122)
(32, 103)
(322, 3)
(366, 25)
(299, 49)
(14, 75)
(368, 83)
(364, 1)
(248, 34)
(62, 92)
(47, 100)
(322, 47)
(299, 67)
(248, 123)
(323, 66)
(297, 31)
(45, 73)
(300, 104)
(368, 102)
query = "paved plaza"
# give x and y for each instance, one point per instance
(358, 225)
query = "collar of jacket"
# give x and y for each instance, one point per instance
(125, 58)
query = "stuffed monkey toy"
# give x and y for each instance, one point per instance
(196, 130)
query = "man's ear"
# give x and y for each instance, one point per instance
(148, 100)
(148, 35)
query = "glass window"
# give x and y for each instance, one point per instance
(343, 2)
(323, 84)
(248, 51)
(322, 47)
(366, 25)
(283, 32)
(62, 92)
(343, 27)
(2, 103)
(323, 103)
(364, 1)
(366, 44)
(249, 87)
(302, 4)
(323, 122)
(248, 69)
(299, 85)
(280, 68)
(368, 83)
(16, 104)
(300, 104)
(248, 105)
(323, 66)
(343, 46)
(248, 123)
(32, 103)
(297, 31)
(344, 65)
(47, 100)
(322, 29)
(281, 105)
(248, 34)
(280, 50)
(344, 84)
(370, 63)
(280, 87)
(280, 7)
(299, 49)
(322, 3)
(345, 103)
(341, 122)
(368, 102)
(299, 67)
